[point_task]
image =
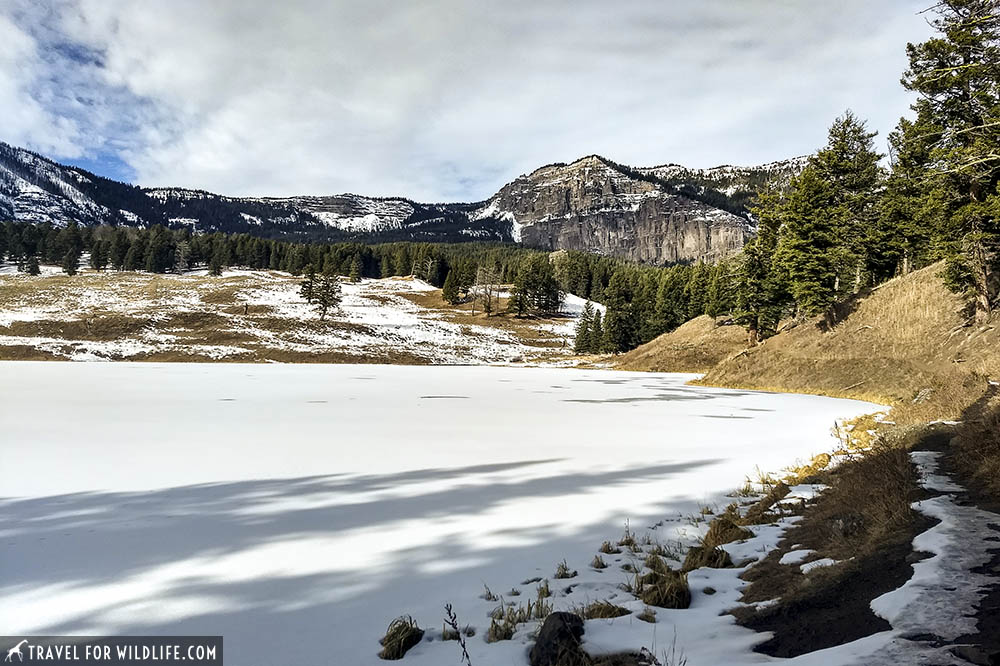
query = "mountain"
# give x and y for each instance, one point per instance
(658, 214)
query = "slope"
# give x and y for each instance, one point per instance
(695, 346)
(908, 343)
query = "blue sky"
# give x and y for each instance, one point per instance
(443, 100)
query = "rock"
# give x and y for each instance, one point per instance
(976, 655)
(558, 642)
(592, 206)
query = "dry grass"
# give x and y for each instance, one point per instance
(907, 344)
(712, 557)
(146, 317)
(527, 328)
(402, 634)
(601, 610)
(609, 548)
(563, 571)
(598, 563)
(725, 529)
(664, 588)
(977, 445)
(695, 346)
(760, 512)
(505, 618)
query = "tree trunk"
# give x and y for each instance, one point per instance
(753, 334)
(979, 267)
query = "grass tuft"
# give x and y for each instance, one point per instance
(402, 634)
(609, 549)
(601, 610)
(563, 571)
(647, 615)
(707, 556)
(665, 589)
(598, 563)
(760, 513)
(724, 530)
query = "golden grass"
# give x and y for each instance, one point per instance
(402, 634)
(695, 346)
(601, 610)
(664, 588)
(706, 556)
(724, 529)
(907, 344)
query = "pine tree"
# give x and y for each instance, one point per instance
(583, 343)
(71, 261)
(696, 290)
(759, 293)
(356, 268)
(907, 214)
(119, 248)
(327, 294)
(957, 76)
(307, 288)
(450, 289)
(620, 326)
(597, 343)
(849, 166)
(32, 267)
(218, 260)
(99, 255)
(807, 251)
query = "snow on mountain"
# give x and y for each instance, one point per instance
(354, 213)
(656, 214)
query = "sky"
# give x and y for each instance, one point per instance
(440, 100)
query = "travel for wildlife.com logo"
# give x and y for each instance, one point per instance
(118, 650)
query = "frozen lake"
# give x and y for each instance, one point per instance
(296, 509)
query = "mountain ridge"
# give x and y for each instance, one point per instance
(592, 203)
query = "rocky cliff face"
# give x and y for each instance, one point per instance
(597, 206)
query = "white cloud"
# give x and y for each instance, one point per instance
(447, 100)
(26, 120)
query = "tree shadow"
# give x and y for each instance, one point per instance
(86, 544)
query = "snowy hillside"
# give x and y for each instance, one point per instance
(258, 316)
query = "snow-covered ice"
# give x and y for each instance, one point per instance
(297, 509)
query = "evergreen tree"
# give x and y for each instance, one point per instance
(356, 268)
(758, 285)
(957, 76)
(327, 294)
(99, 255)
(32, 267)
(307, 288)
(385, 267)
(696, 290)
(218, 260)
(583, 343)
(596, 344)
(71, 261)
(620, 326)
(119, 248)
(807, 252)
(849, 166)
(907, 213)
(450, 289)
